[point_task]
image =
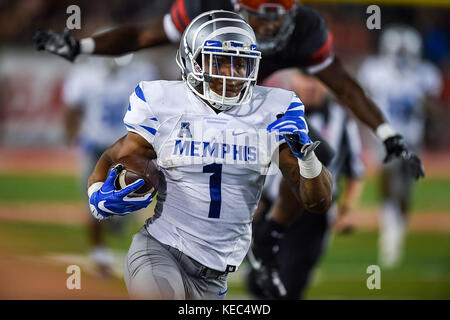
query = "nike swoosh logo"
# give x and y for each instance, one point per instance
(102, 207)
(238, 133)
(221, 293)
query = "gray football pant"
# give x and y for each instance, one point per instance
(157, 271)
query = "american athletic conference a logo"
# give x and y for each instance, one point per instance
(185, 132)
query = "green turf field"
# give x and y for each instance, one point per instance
(425, 273)
(431, 194)
(35, 187)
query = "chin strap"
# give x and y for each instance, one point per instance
(228, 103)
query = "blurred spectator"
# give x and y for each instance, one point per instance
(96, 94)
(400, 82)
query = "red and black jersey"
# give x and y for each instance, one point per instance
(309, 47)
(184, 11)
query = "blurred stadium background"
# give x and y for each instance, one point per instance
(43, 223)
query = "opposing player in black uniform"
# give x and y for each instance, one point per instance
(307, 237)
(289, 35)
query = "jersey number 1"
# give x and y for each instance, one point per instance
(215, 181)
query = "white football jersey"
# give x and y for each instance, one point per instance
(102, 95)
(400, 92)
(214, 166)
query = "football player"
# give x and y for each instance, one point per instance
(401, 83)
(214, 145)
(304, 242)
(291, 36)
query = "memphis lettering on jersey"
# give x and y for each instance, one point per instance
(216, 150)
(196, 144)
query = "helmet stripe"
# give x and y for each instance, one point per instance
(220, 30)
(236, 30)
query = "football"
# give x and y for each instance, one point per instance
(135, 168)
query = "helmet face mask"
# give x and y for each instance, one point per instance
(218, 58)
(229, 72)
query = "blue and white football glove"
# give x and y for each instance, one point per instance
(106, 201)
(293, 127)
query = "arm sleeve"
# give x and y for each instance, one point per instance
(297, 108)
(316, 49)
(176, 21)
(322, 57)
(172, 33)
(183, 12)
(294, 109)
(139, 117)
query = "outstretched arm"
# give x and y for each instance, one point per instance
(118, 41)
(130, 38)
(350, 94)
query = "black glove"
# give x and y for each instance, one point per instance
(262, 257)
(396, 148)
(63, 45)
